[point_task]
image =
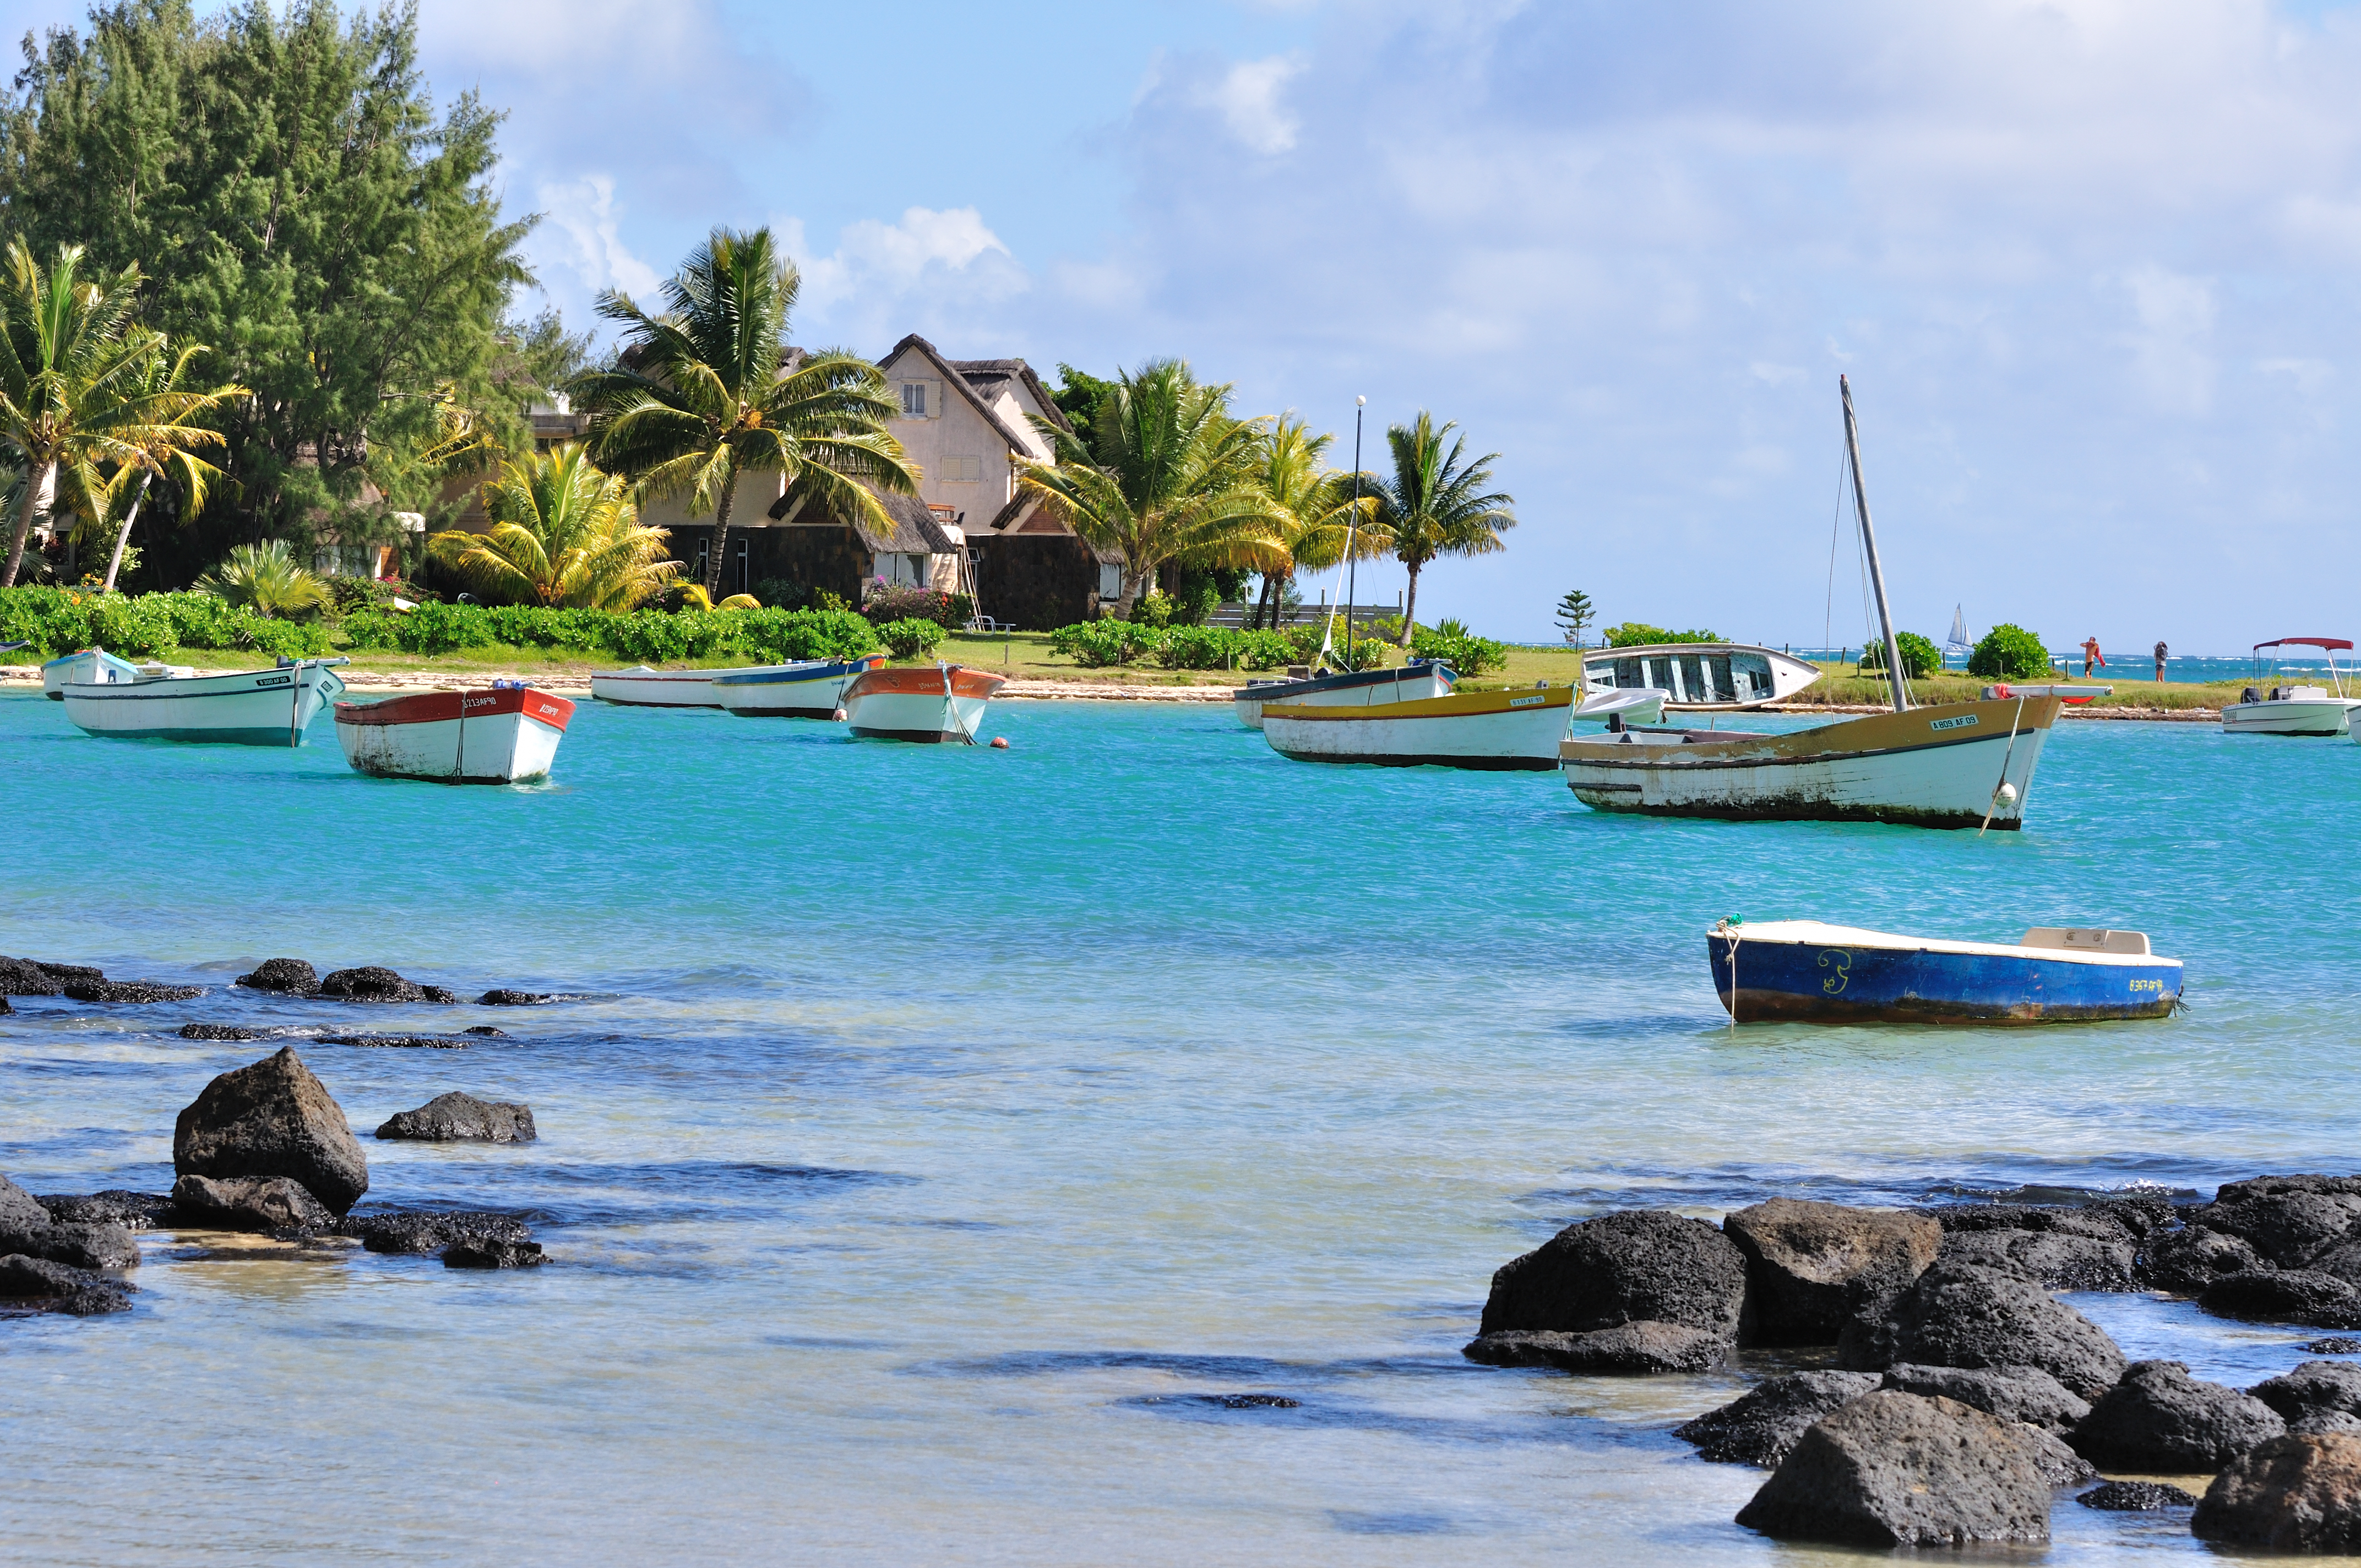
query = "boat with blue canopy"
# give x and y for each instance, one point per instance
(1804, 970)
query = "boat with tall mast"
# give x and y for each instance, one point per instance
(1961, 764)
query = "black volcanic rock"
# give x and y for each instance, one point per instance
(2159, 1419)
(2311, 1387)
(463, 1118)
(273, 1118)
(1892, 1469)
(1634, 1266)
(1812, 1266)
(431, 1231)
(1762, 1425)
(1626, 1348)
(2023, 1394)
(2298, 1493)
(515, 998)
(289, 977)
(2136, 1497)
(370, 983)
(275, 1203)
(42, 1286)
(493, 1255)
(1956, 1316)
(217, 1032)
(2284, 1296)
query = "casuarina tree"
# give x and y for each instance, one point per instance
(710, 389)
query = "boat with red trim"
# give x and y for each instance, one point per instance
(506, 734)
(945, 703)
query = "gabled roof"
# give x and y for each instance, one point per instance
(988, 376)
(955, 374)
(916, 530)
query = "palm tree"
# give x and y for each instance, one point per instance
(698, 397)
(265, 578)
(76, 395)
(168, 448)
(562, 534)
(1312, 511)
(1434, 503)
(1167, 471)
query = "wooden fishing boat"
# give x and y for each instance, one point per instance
(2293, 710)
(944, 703)
(90, 666)
(1366, 688)
(1510, 730)
(1700, 674)
(506, 734)
(1963, 764)
(813, 689)
(254, 707)
(642, 686)
(1805, 971)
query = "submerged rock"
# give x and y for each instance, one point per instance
(493, 1255)
(486, 1029)
(217, 1032)
(2334, 1344)
(370, 983)
(2161, 1419)
(425, 1233)
(132, 1211)
(130, 990)
(1814, 1265)
(1892, 1469)
(1636, 1347)
(2284, 1296)
(289, 977)
(2313, 1387)
(1956, 1316)
(30, 1228)
(5, 1010)
(462, 1118)
(1761, 1426)
(2022, 1394)
(523, 998)
(1634, 1266)
(39, 1285)
(2298, 1493)
(273, 1118)
(397, 1042)
(24, 977)
(276, 1203)
(2136, 1497)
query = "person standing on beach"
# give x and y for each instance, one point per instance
(2091, 655)
(2159, 661)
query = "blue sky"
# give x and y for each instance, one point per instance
(2094, 266)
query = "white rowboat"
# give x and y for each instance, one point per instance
(1413, 683)
(1513, 730)
(813, 689)
(255, 708)
(508, 734)
(641, 686)
(945, 703)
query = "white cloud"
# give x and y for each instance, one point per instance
(584, 213)
(940, 272)
(1247, 97)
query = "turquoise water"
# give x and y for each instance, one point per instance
(936, 1122)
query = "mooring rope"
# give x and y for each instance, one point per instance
(1994, 805)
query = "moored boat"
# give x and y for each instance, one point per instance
(1512, 730)
(1366, 688)
(1961, 764)
(642, 686)
(942, 703)
(506, 734)
(1805, 971)
(90, 666)
(252, 707)
(2292, 709)
(813, 689)
(1700, 674)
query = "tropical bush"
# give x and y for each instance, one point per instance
(1920, 657)
(59, 620)
(1096, 643)
(908, 601)
(1452, 643)
(649, 636)
(266, 579)
(563, 534)
(910, 639)
(2009, 653)
(1639, 634)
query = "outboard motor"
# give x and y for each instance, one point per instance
(2250, 694)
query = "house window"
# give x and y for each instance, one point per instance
(1110, 581)
(914, 399)
(961, 467)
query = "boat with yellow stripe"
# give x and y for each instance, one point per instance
(1518, 730)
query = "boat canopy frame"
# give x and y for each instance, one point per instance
(2327, 644)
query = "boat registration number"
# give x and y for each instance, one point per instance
(1960, 723)
(2154, 985)
(1523, 701)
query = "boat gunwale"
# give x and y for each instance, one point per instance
(1789, 934)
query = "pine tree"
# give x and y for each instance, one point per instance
(1573, 614)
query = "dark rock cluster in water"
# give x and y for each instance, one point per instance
(279, 977)
(1968, 1392)
(80, 982)
(462, 1118)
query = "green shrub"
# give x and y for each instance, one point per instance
(59, 620)
(912, 638)
(1920, 657)
(2009, 653)
(1638, 634)
(1154, 607)
(1366, 654)
(908, 601)
(1452, 643)
(1096, 643)
(647, 636)
(1268, 650)
(1202, 648)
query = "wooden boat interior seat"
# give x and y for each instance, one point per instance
(2083, 939)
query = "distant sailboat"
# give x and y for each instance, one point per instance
(1958, 643)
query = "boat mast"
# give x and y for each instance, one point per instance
(1869, 541)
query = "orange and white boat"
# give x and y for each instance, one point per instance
(945, 703)
(508, 734)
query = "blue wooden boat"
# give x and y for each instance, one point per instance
(1811, 972)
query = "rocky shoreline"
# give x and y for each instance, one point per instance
(1963, 1395)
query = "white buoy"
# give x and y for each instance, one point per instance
(2007, 794)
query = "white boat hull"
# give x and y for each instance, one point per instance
(814, 689)
(255, 708)
(1513, 730)
(496, 737)
(2289, 716)
(942, 703)
(1895, 768)
(1413, 683)
(643, 687)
